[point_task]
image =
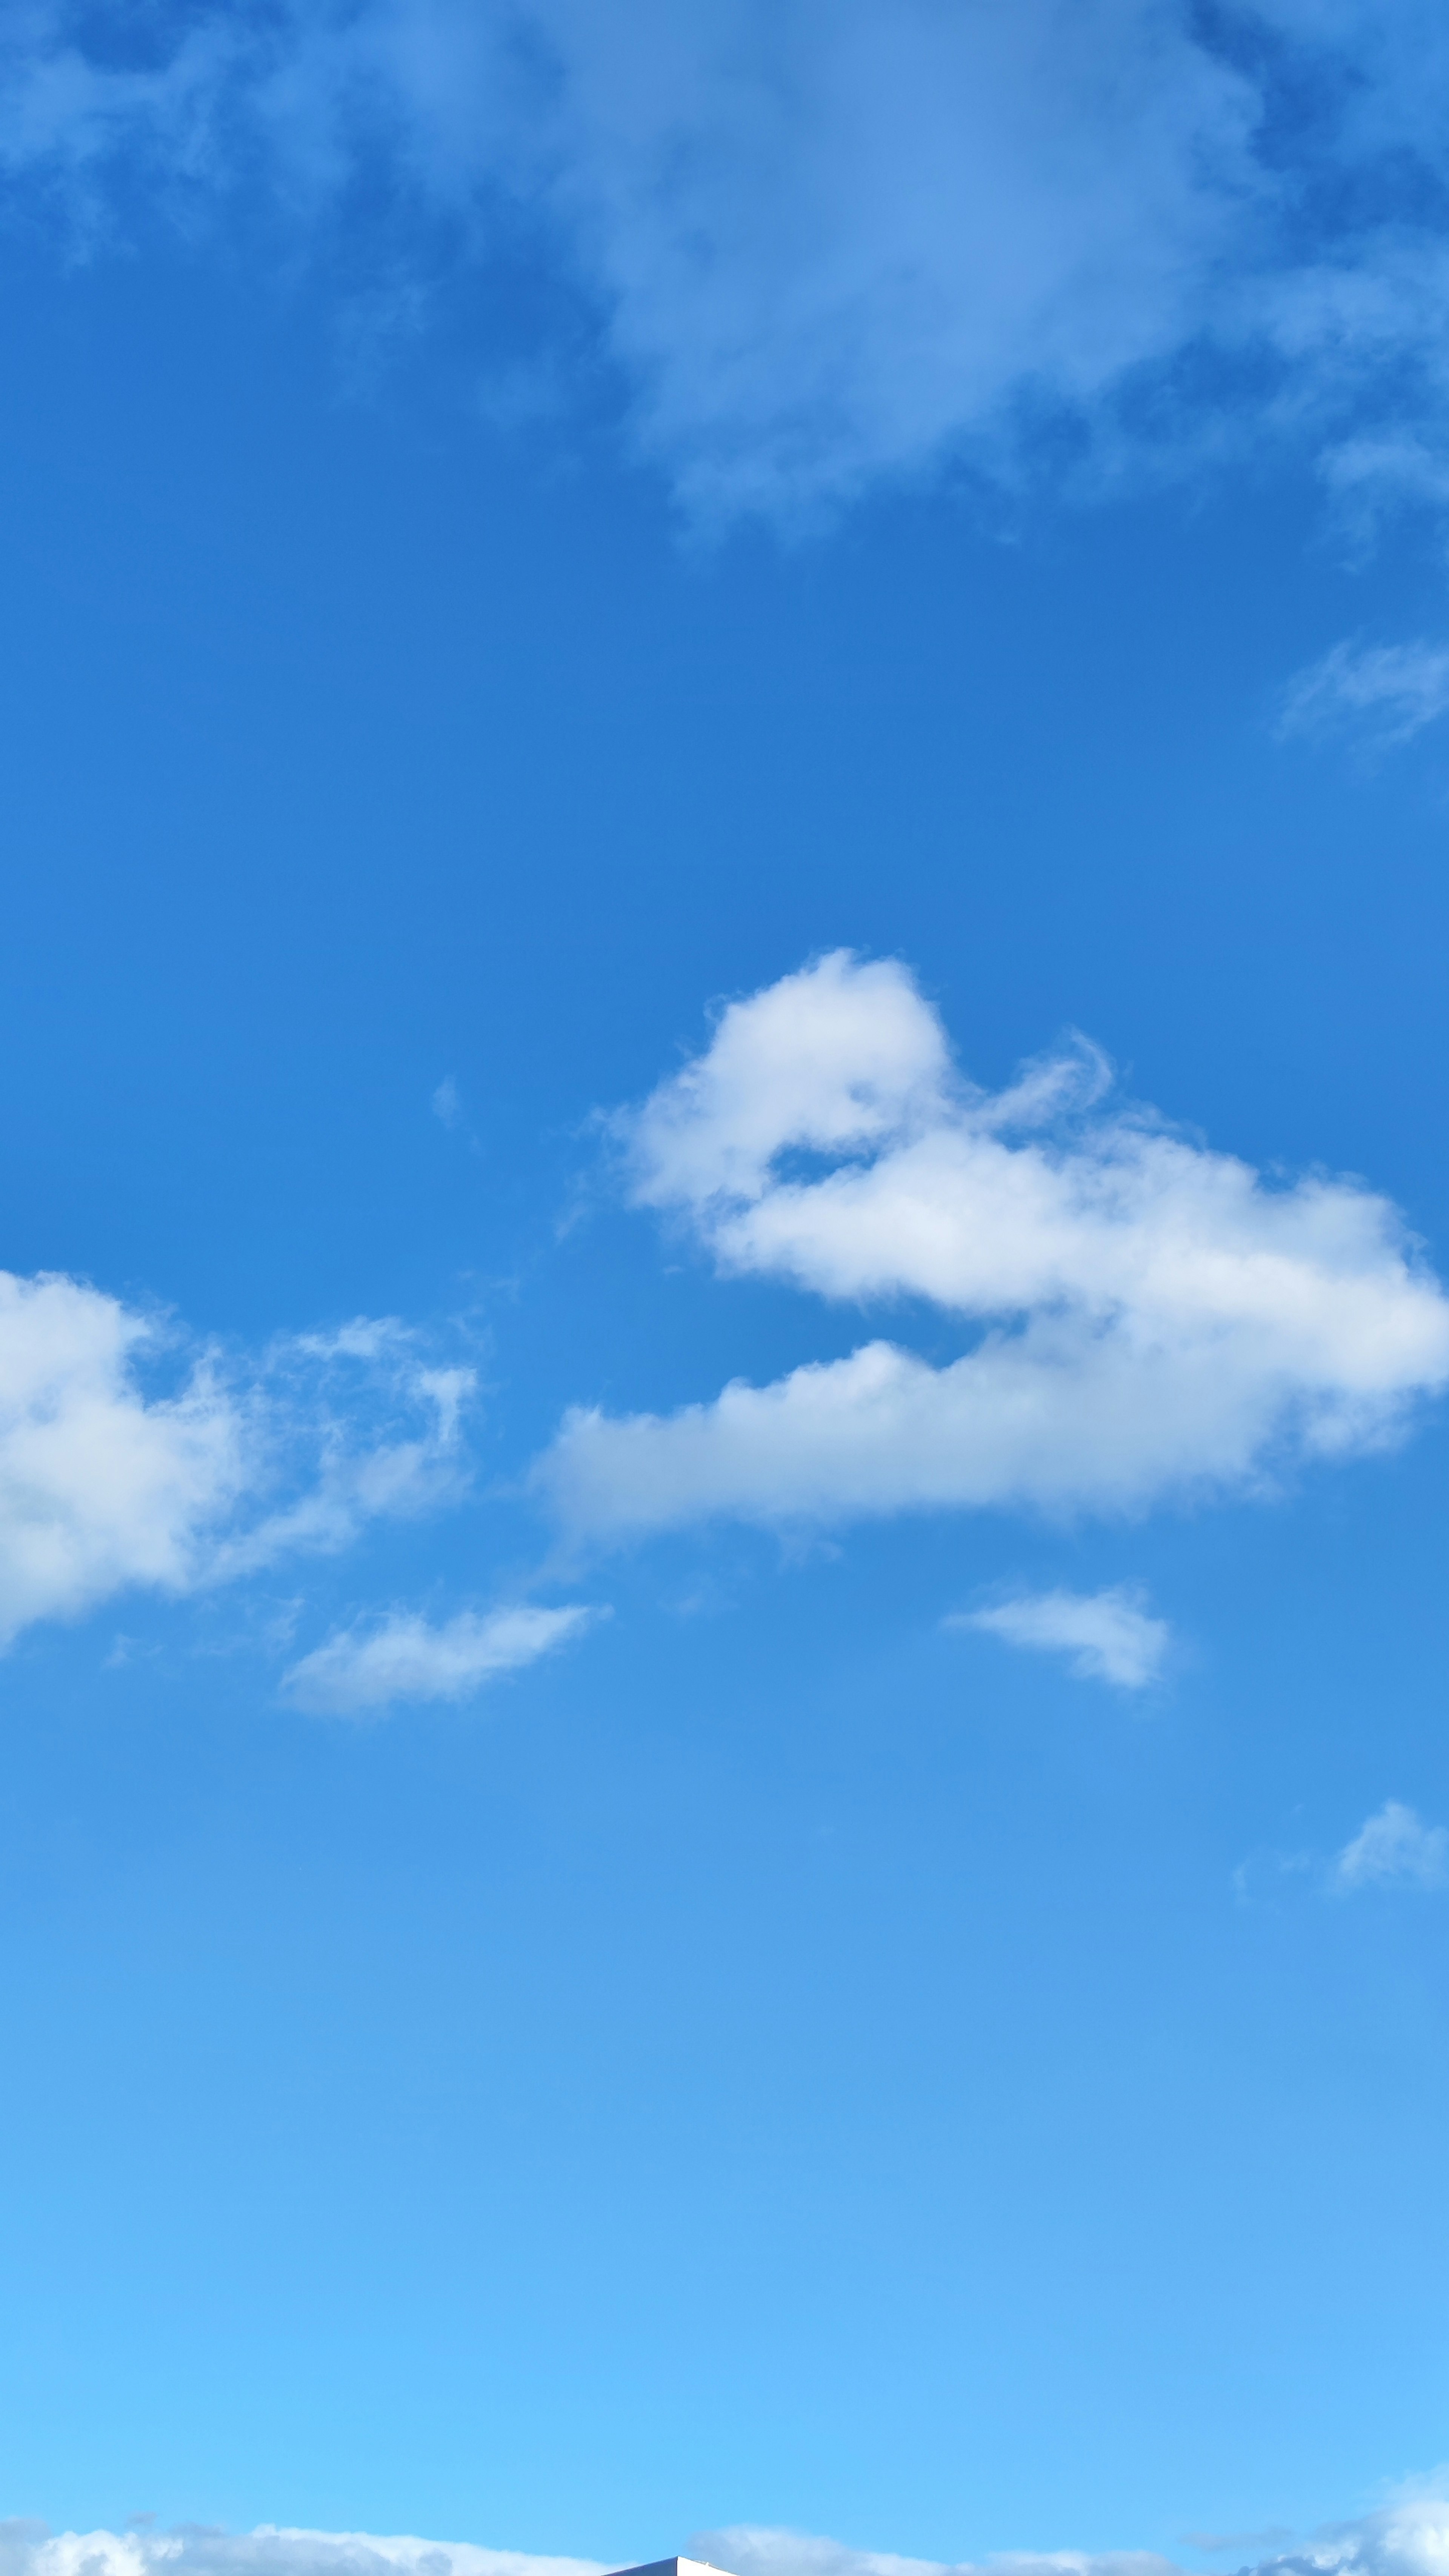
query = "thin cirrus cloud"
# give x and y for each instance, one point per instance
(1105, 1636)
(827, 247)
(1407, 2538)
(129, 1458)
(1146, 1317)
(1380, 695)
(363, 1671)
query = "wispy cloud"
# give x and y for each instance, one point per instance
(1381, 694)
(1393, 1849)
(825, 247)
(363, 1670)
(1106, 1636)
(1148, 1315)
(132, 1457)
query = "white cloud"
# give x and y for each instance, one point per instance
(756, 2550)
(827, 245)
(1408, 2538)
(1384, 693)
(1393, 1849)
(27, 2549)
(127, 1458)
(1148, 1316)
(362, 1670)
(1107, 1636)
(447, 1102)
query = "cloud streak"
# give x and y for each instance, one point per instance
(1144, 1317)
(362, 1671)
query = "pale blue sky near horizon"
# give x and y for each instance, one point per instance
(778, 2057)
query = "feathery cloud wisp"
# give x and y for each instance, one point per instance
(1149, 1316)
(360, 1671)
(1383, 693)
(1410, 2538)
(1106, 1636)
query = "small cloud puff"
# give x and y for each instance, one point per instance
(1383, 694)
(1106, 1636)
(360, 1671)
(1393, 1849)
(447, 1102)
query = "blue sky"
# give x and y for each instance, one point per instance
(722, 1346)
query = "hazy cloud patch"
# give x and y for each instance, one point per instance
(823, 248)
(1381, 695)
(1393, 1849)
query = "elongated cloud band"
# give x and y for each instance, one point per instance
(1149, 1316)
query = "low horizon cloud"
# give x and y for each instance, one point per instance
(1409, 2537)
(1151, 1318)
(1107, 1636)
(821, 251)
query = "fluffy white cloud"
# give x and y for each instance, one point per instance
(127, 1459)
(362, 1670)
(1383, 693)
(1148, 1315)
(828, 244)
(1106, 1636)
(1393, 1849)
